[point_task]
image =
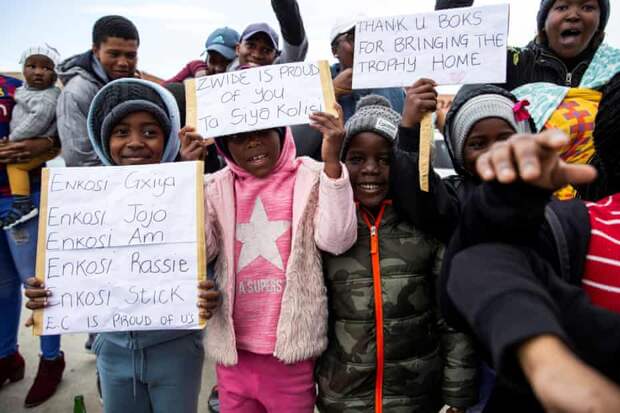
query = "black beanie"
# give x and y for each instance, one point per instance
(118, 100)
(545, 6)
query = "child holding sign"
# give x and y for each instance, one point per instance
(135, 122)
(268, 215)
(389, 349)
(479, 116)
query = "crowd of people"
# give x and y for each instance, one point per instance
(498, 289)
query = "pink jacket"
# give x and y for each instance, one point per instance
(324, 219)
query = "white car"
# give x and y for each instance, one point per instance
(442, 162)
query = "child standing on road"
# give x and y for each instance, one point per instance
(268, 215)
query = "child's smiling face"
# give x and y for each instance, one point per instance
(256, 152)
(137, 139)
(571, 25)
(368, 162)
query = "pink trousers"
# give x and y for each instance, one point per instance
(261, 383)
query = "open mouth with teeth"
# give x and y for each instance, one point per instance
(371, 187)
(257, 158)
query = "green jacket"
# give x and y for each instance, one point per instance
(396, 350)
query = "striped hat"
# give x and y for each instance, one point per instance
(47, 51)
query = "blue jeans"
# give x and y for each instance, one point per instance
(18, 249)
(162, 378)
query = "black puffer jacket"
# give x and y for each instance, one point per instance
(537, 63)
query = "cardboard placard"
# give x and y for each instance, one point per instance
(452, 47)
(258, 98)
(121, 248)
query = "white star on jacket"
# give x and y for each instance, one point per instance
(259, 238)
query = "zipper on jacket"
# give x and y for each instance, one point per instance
(568, 78)
(376, 281)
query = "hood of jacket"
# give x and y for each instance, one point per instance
(85, 65)
(172, 143)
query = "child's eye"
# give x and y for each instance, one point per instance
(150, 133)
(355, 160)
(120, 132)
(384, 161)
(476, 145)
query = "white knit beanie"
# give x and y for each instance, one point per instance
(46, 50)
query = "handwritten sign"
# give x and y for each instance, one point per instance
(258, 98)
(121, 248)
(458, 46)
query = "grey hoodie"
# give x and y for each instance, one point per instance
(82, 77)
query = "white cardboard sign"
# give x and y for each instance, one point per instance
(452, 47)
(121, 248)
(258, 98)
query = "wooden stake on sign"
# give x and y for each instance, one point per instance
(200, 225)
(328, 87)
(426, 136)
(191, 111)
(37, 315)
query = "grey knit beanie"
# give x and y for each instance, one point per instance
(478, 108)
(545, 6)
(373, 113)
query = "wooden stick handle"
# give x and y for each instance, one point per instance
(426, 138)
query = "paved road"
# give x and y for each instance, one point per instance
(79, 378)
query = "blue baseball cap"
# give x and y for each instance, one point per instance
(224, 41)
(254, 28)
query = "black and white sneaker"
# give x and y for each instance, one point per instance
(19, 213)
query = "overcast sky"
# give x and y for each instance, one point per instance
(173, 33)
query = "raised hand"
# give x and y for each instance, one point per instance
(420, 98)
(192, 145)
(332, 129)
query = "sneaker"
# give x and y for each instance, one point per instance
(213, 404)
(12, 368)
(46, 382)
(20, 212)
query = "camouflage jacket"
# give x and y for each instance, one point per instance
(397, 349)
